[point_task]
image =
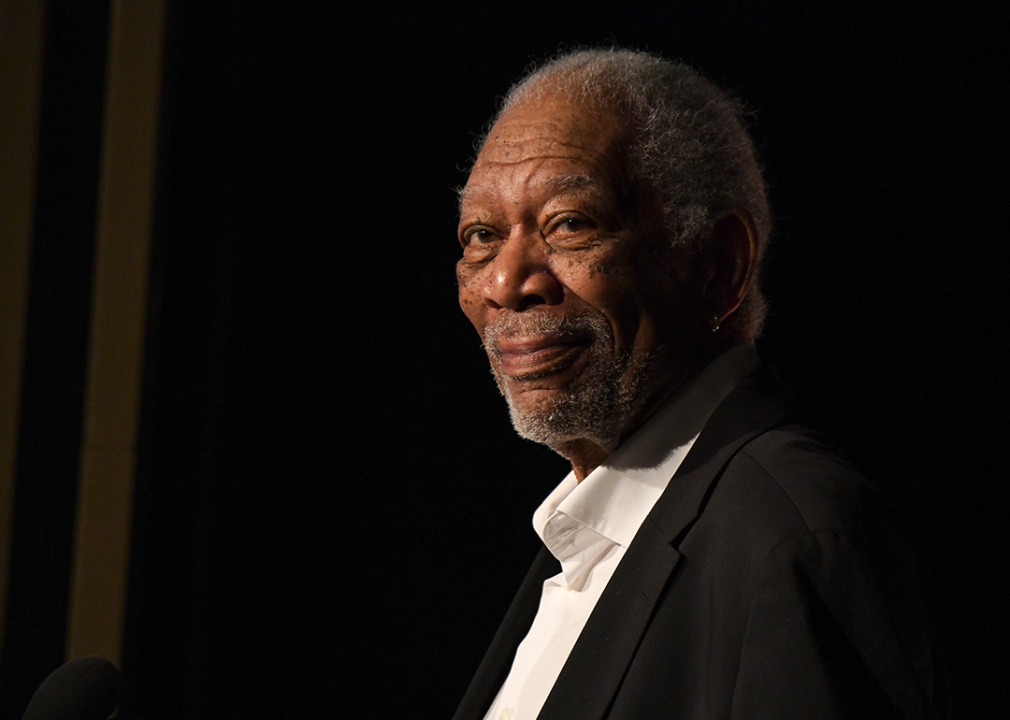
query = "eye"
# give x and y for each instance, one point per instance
(479, 236)
(572, 224)
(567, 224)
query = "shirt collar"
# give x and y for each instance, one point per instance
(614, 499)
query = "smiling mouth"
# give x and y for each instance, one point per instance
(531, 358)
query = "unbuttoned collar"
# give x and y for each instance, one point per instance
(580, 522)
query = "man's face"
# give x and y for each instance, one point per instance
(569, 278)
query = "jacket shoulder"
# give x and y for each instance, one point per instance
(819, 488)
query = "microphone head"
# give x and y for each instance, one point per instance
(82, 689)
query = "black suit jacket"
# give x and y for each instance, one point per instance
(765, 583)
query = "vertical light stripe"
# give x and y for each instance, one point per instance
(115, 359)
(21, 43)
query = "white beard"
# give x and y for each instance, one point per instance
(601, 407)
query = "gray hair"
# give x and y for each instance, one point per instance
(689, 141)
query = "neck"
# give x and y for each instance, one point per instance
(585, 455)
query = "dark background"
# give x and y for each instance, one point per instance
(332, 510)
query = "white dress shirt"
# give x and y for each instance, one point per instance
(588, 527)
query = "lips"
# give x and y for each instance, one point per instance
(539, 356)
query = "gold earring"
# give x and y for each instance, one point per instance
(716, 322)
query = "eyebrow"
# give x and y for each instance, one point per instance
(558, 184)
(462, 193)
(564, 183)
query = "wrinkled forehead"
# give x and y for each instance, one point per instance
(529, 138)
(483, 187)
(569, 139)
(552, 127)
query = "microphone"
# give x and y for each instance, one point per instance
(82, 689)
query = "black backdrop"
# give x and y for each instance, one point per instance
(333, 512)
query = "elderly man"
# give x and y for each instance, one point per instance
(708, 556)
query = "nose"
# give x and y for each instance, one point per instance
(521, 276)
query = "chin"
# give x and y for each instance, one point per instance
(601, 408)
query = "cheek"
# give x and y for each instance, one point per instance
(470, 301)
(470, 307)
(642, 295)
(592, 276)
(609, 287)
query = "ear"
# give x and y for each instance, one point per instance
(732, 259)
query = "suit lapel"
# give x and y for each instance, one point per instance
(754, 407)
(594, 670)
(497, 662)
(596, 667)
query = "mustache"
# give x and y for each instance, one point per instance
(508, 325)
